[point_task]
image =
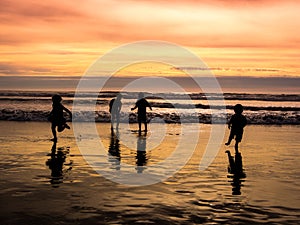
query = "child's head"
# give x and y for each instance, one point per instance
(238, 109)
(141, 95)
(119, 96)
(56, 99)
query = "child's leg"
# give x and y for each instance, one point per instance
(231, 136)
(61, 127)
(236, 147)
(53, 126)
(228, 142)
(140, 126)
(117, 120)
(112, 119)
(67, 126)
(238, 139)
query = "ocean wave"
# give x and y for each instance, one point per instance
(203, 106)
(133, 95)
(161, 105)
(49, 94)
(88, 101)
(278, 118)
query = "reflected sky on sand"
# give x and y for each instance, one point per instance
(268, 193)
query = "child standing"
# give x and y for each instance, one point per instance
(115, 106)
(56, 116)
(236, 123)
(142, 105)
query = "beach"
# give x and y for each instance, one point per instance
(149, 112)
(37, 188)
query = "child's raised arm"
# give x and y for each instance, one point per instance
(68, 111)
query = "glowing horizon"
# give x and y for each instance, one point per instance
(234, 38)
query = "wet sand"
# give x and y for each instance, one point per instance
(37, 188)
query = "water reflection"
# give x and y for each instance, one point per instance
(114, 156)
(141, 154)
(57, 165)
(236, 172)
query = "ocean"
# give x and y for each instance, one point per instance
(171, 107)
(273, 100)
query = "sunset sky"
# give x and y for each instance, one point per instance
(63, 37)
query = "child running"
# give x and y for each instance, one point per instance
(236, 123)
(56, 116)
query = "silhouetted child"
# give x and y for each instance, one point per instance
(236, 123)
(115, 106)
(56, 116)
(142, 105)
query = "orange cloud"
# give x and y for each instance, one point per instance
(65, 36)
(191, 23)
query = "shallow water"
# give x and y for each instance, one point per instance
(39, 189)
